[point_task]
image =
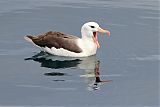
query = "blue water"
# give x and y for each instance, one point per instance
(124, 73)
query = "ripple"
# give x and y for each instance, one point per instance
(150, 17)
(147, 58)
(29, 106)
(55, 74)
(48, 88)
(8, 5)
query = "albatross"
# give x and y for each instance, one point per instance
(61, 44)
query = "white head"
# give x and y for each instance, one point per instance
(89, 30)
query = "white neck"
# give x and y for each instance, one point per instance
(87, 42)
(86, 34)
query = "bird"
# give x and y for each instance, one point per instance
(62, 44)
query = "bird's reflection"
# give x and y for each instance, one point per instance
(55, 62)
(90, 65)
(92, 77)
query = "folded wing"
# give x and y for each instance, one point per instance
(57, 40)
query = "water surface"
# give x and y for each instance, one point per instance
(124, 72)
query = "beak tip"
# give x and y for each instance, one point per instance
(109, 33)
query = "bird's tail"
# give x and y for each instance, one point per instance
(29, 38)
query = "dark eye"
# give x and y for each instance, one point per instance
(92, 26)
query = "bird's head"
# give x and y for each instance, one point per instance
(90, 29)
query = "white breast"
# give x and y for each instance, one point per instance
(88, 46)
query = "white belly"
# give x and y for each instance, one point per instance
(88, 49)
